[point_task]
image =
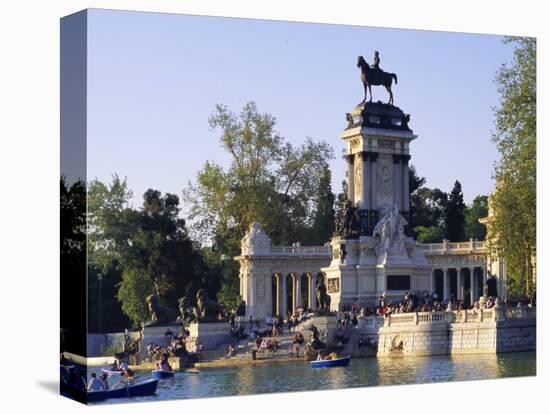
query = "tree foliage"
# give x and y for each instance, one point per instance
(139, 252)
(454, 214)
(284, 187)
(513, 228)
(427, 210)
(473, 229)
(73, 264)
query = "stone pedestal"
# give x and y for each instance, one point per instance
(210, 334)
(158, 335)
(363, 275)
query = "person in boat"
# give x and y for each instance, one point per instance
(95, 383)
(321, 356)
(123, 365)
(114, 366)
(331, 356)
(128, 378)
(165, 365)
(105, 381)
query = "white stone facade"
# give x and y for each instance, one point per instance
(375, 257)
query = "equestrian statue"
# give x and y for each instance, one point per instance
(375, 76)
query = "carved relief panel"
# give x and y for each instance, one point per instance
(385, 180)
(358, 178)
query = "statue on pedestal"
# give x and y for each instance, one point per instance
(160, 314)
(347, 221)
(323, 298)
(188, 314)
(375, 76)
(208, 310)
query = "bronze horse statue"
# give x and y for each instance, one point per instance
(371, 76)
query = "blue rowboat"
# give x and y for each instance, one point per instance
(141, 389)
(159, 374)
(328, 363)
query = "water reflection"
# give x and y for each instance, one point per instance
(298, 376)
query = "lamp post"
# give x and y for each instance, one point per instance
(100, 324)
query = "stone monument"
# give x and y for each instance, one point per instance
(372, 249)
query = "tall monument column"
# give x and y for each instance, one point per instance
(372, 250)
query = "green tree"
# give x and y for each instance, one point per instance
(111, 225)
(73, 265)
(268, 180)
(162, 258)
(428, 212)
(415, 181)
(512, 231)
(454, 214)
(324, 212)
(432, 234)
(473, 229)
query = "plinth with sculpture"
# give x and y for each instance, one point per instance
(373, 252)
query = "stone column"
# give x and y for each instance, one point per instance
(446, 284)
(298, 290)
(472, 286)
(283, 295)
(251, 302)
(397, 181)
(311, 291)
(278, 293)
(458, 284)
(365, 185)
(405, 160)
(293, 299)
(484, 271)
(373, 185)
(351, 183)
(431, 282)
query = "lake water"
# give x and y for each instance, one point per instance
(362, 372)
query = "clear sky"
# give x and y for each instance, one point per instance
(153, 80)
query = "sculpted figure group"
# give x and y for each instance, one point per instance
(206, 310)
(390, 230)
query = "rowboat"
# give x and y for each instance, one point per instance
(141, 389)
(159, 374)
(110, 372)
(328, 363)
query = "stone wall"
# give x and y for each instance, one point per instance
(452, 333)
(99, 344)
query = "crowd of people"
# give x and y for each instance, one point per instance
(176, 347)
(349, 315)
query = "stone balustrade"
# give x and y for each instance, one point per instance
(464, 316)
(301, 250)
(472, 246)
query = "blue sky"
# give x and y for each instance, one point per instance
(153, 80)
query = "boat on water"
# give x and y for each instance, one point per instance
(141, 389)
(160, 374)
(328, 363)
(112, 371)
